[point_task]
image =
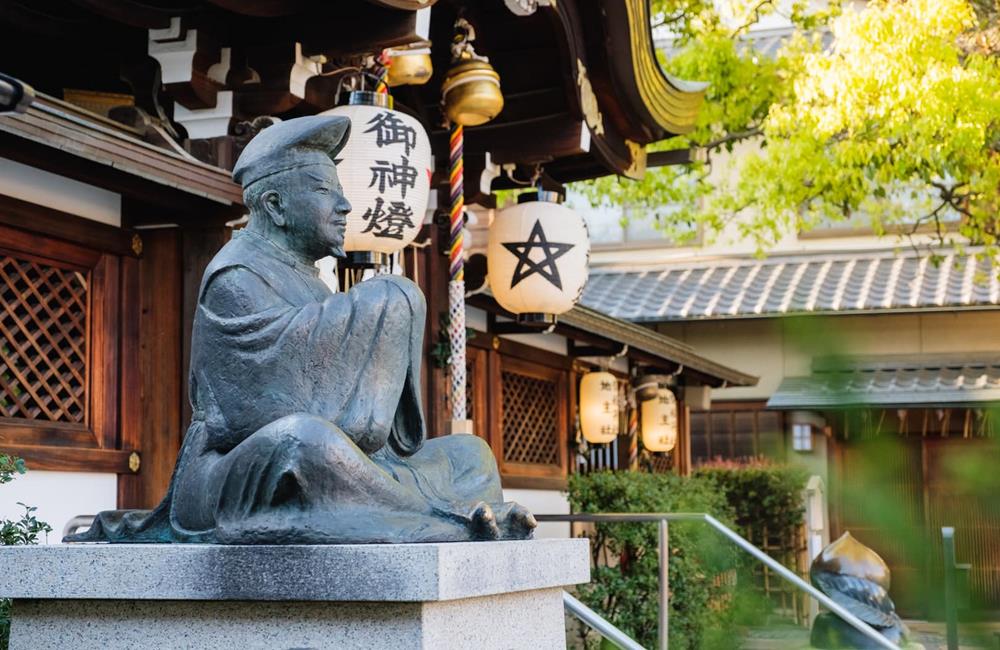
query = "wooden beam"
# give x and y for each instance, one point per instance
(128, 12)
(531, 141)
(262, 8)
(533, 482)
(69, 227)
(665, 158)
(72, 459)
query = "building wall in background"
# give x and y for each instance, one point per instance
(543, 502)
(777, 348)
(60, 193)
(59, 496)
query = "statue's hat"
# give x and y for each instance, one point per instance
(310, 140)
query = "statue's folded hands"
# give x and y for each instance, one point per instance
(307, 420)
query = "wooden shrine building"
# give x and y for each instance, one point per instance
(115, 192)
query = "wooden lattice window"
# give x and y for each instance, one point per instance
(43, 340)
(529, 420)
(736, 431)
(532, 418)
(59, 352)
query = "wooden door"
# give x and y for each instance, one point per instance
(879, 497)
(962, 490)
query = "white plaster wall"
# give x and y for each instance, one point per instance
(59, 496)
(476, 319)
(543, 502)
(551, 342)
(777, 348)
(60, 193)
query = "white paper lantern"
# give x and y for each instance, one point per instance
(537, 255)
(599, 407)
(659, 421)
(385, 169)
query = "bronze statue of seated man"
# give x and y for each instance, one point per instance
(307, 425)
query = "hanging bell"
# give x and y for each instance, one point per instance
(472, 92)
(409, 66)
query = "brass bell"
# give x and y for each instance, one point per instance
(472, 92)
(409, 67)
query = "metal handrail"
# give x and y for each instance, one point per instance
(784, 572)
(599, 623)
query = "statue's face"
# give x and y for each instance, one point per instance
(315, 210)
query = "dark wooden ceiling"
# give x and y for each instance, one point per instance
(548, 62)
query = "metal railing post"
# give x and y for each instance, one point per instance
(597, 622)
(950, 606)
(761, 556)
(664, 584)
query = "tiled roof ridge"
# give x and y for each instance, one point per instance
(962, 379)
(871, 281)
(725, 261)
(893, 362)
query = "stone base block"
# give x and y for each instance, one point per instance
(485, 595)
(529, 619)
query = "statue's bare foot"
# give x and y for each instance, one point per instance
(484, 522)
(516, 522)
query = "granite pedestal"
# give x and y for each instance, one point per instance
(466, 595)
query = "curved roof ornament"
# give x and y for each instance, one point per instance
(672, 103)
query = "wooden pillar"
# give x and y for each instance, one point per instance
(682, 461)
(434, 283)
(151, 373)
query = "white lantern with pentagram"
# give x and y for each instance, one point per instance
(537, 256)
(659, 421)
(599, 407)
(385, 170)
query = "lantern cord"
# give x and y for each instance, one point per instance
(535, 175)
(482, 289)
(456, 287)
(619, 355)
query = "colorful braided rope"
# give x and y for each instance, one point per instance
(456, 183)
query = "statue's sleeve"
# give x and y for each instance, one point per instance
(237, 291)
(352, 358)
(382, 344)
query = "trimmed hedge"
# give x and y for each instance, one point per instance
(705, 603)
(624, 585)
(760, 495)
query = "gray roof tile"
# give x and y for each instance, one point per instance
(809, 283)
(888, 381)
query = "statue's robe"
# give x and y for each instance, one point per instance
(307, 425)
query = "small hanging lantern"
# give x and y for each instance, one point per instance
(537, 255)
(385, 170)
(599, 407)
(471, 89)
(659, 421)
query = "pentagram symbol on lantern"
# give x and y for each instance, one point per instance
(547, 268)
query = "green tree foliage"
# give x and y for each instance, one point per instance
(15, 532)
(890, 113)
